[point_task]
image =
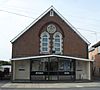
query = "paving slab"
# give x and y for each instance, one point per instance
(50, 85)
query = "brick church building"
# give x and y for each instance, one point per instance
(50, 49)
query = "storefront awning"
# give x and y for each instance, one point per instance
(47, 56)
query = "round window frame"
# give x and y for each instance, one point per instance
(51, 28)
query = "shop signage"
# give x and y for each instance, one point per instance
(66, 73)
(39, 73)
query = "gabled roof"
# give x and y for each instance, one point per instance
(51, 8)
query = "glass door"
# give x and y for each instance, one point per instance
(52, 69)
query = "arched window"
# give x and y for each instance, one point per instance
(57, 43)
(44, 42)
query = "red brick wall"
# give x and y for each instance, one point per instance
(29, 43)
(96, 64)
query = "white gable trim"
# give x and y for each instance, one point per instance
(59, 16)
(46, 56)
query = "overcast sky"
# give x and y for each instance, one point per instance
(15, 15)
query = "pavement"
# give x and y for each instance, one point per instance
(3, 82)
(10, 85)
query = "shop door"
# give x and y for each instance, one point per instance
(52, 69)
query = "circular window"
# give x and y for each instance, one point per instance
(51, 28)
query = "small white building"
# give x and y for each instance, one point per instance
(3, 67)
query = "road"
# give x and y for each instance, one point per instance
(58, 89)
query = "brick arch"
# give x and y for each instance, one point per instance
(43, 28)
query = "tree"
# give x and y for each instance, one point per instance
(5, 63)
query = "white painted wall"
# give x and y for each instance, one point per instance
(13, 68)
(89, 72)
(82, 70)
(21, 69)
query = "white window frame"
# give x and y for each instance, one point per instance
(41, 43)
(61, 43)
(51, 13)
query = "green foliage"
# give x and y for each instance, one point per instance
(5, 63)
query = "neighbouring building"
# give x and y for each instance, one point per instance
(94, 54)
(50, 49)
(5, 72)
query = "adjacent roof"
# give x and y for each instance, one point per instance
(51, 8)
(91, 49)
(97, 44)
(46, 56)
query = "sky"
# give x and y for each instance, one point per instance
(15, 15)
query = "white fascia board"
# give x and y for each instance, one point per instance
(47, 56)
(73, 28)
(69, 57)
